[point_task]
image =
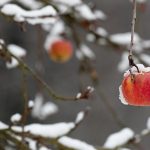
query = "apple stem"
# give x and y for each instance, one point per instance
(130, 57)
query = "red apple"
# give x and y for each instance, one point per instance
(61, 51)
(136, 91)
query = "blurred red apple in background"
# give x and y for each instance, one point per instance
(61, 51)
(136, 91)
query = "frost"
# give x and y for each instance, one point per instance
(141, 68)
(124, 38)
(16, 51)
(47, 130)
(119, 138)
(43, 110)
(121, 97)
(75, 144)
(145, 58)
(3, 126)
(15, 118)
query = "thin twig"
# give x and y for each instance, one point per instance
(133, 28)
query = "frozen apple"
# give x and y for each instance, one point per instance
(136, 91)
(60, 50)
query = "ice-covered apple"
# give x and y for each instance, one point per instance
(136, 90)
(60, 50)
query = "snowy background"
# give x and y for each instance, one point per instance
(64, 79)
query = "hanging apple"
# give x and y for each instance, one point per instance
(136, 90)
(61, 50)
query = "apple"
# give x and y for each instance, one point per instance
(61, 50)
(136, 91)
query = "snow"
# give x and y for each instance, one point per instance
(78, 96)
(48, 108)
(139, 1)
(102, 41)
(32, 4)
(148, 123)
(54, 34)
(123, 149)
(145, 58)
(84, 51)
(43, 148)
(146, 44)
(42, 110)
(69, 2)
(119, 138)
(3, 126)
(47, 130)
(101, 31)
(16, 51)
(75, 144)
(141, 68)
(90, 89)
(100, 14)
(2, 41)
(15, 118)
(123, 64)
(124, 38)
(13, 10)
(2, 2)
(85, 12)
(80, 117)
(49, 41)
(35, 21)
(31, 16)
(58, 28)
(90, 37)
(30, 104)
(121, 97)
